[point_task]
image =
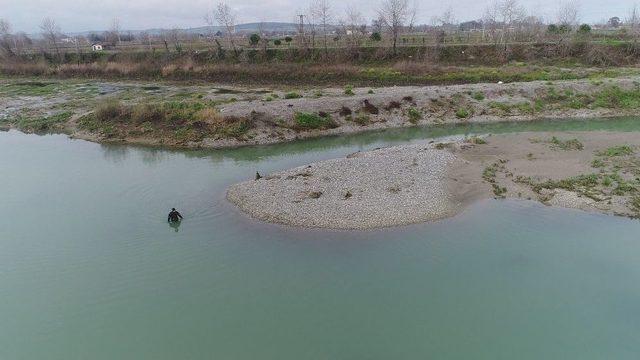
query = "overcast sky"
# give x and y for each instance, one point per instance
(83, 15)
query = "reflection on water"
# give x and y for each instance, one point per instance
(175, 225)
(89, 268)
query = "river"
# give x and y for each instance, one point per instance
(90, 269)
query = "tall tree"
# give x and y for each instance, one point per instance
(569, 13)
(51, 33)
(394, 14)
(225, 17)
(114, 31)
(6, 39)
(321, 11)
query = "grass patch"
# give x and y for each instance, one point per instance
(415, 115)
(177, 120)
(476, 140)
(348, 90)
(43, 124)
(462, 113)
(622, 150)
(478, 95)
(292, 95)
(313, 121)
(566, 145)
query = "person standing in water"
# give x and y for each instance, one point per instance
(174, 216)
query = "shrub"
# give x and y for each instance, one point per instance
(393, 105)
(345, 111)
(370, 108)
(478, 95)
(415, 115)
(584, 29)
(348, 90)
(277, 42)
(254, 39)
(152, 113)
(362, 119)
(462, 113)
(376, 36)
(110, 111)
(313, 121)
(572, 144)
(622, 150)
(292, 95)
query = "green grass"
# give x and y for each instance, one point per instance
(478, 95)
(348, 90)
(571, 144)
(415, 115)
(462, 113)
(43, 124)
(362, 119)
(31, 88)
(313, 121)
(614, 97)
(292, 95)
(622, 150)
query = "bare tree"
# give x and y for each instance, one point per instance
(394, 14)
(175, 35)
(6, 39)
(321, 11)
(145, 38)
(51, 33)
(512, 14)
(114, 31)
(632, 21)
(569, 13)
(354, 26)
(224, 16)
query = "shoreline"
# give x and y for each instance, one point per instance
(410, 184)
(270, 117)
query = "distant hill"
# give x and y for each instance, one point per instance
(277, 27)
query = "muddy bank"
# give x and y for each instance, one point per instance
(417, 183)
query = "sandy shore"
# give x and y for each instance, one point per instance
(417, 183)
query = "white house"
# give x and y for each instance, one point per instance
(96, 47)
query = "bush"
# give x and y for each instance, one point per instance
(415, 115)
(478, 95)
(348, 90)
(362, 119)
(277, 42)
(110, 110)
(254, 39)
(462, 113)
(292, 95)
(314, 121)
(376, 36)
(584, 29)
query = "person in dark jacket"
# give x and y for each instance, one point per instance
(174, 216)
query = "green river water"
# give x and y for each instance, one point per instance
(89, 268)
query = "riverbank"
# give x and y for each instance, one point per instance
(202, 116)
(401, 185)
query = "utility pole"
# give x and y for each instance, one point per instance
(301, 24)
